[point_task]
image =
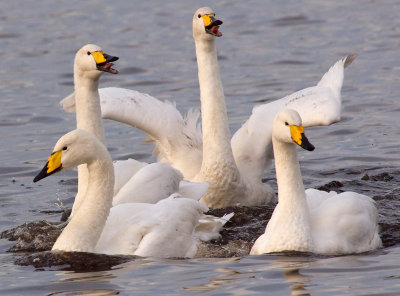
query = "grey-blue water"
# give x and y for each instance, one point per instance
(269, 49)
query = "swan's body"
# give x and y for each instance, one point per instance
(152, 183)
(164, 229)
(178, 139)
(149, 183)
(313, 220)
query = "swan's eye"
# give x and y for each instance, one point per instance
(199, 16)
(88, 53)
(65, 148)
(286, 123)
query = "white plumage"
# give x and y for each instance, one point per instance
(178, 140)
(134, 181)
(164, 229)
(312, 220)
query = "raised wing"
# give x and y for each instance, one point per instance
(177, 139)
(317, 105)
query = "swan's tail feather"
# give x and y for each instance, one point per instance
(209, 226)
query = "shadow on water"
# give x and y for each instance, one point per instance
(75, 261)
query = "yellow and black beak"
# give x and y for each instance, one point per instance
(52, 166)
(299, 137)
(211, 24)
(104, 61)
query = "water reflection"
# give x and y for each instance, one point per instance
(224, 279)
(290, 268)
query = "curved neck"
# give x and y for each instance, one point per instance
(87, 100)
(291, 192)
(216, 134)
(83, 231)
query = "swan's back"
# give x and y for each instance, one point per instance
(343, 223)
(150, 184)
(165, 229)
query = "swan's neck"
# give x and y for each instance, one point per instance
(218, 165)
(88, 118)
(216, 134)
(291, 192)
(83, 231)
(87, 100)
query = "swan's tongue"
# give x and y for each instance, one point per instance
(215, 31)
(107, 68)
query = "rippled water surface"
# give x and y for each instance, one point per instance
(269, 49)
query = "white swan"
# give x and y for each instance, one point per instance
(164, 229)
(150, 184)
(178, 139)
(313, 220)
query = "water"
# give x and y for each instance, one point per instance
(268, 50)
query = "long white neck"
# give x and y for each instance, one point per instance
(218, 165)
(216, 134)
(83, 231)
(289, 226)
(87, 100)
(88, 118)
(290, 184)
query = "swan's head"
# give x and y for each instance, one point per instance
(205, 25)
(93, 60)
(72, 149)
(288, 128)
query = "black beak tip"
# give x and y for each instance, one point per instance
(305, 144)
(218, 23)
(113, 59)
(39, 177)
(110, 59)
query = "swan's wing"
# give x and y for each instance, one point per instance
(150, 184)
(164, 229)
(344, 223)
(210, 226)
(115, 238)
(316, 197)
(178, 139)
(317, 105)
(175, 219)
(193, 190)
(68, 103)
(124, 170)
(321, 104)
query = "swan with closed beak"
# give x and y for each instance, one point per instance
(312, 220)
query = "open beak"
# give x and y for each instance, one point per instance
(299, 137)
(52, 166)
(212, 25)
(104, 62)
